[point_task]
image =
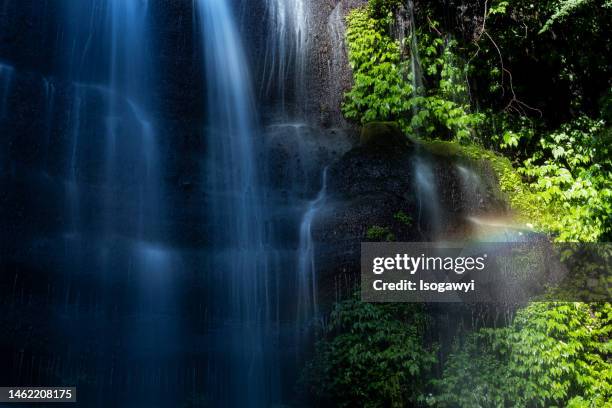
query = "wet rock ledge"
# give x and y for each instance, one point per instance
(376, 192)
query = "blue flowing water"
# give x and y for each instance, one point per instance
(6, 77)
(113, 190)
(307, 304)
(241, 358)
(160, 280)
(286, 54)
(429, 211)
(109, 60)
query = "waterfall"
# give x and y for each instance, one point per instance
(307, 306)
(72, 192)
(472, 188)
(6, 79)
(337, 62)
(49, 111)
(109, 62)
(429, 211)
(286, 53)
(413, 46)
(112, 186)
(240, 362)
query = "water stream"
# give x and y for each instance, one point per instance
(472, 188)
(287, 54)
(307, 303)
(112, 187)
(241, 360)
(429, 211)
(6, 79)
(174, 248)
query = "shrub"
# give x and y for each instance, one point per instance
(372, 355)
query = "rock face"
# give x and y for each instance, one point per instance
(371, 179)
(327, 73)
(383, 136)
(330, 73)
(369, 183)
(377, 181)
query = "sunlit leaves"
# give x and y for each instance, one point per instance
(563, 9)
(573, 173)
(553, 354)
(383, 87)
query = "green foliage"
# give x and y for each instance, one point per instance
(530, 80)
(382, 9)
(384, 89)
(573, 208)
(443, 111)
(379, 92)
(590, 278)
(403, 218)
(372, 355)
(510, 134)
(553, 354)
(572, 173)
(378, 233)
(439, 117)
(563, 10)
(529, 58)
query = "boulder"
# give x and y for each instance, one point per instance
(383, 135)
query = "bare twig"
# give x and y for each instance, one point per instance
(431, 24)
(515, 104)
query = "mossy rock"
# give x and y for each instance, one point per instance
(385, 135)
(526, 204)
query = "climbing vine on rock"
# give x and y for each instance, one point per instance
(525, 87)
(384, 87)
(379, 90)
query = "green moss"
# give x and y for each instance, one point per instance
(384, 134)
(378, 233)
(403, 218)
(523, 201)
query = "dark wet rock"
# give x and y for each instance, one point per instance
(329, 71)
(294, 155)
(383, 135)
(373, 186)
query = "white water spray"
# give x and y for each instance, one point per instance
(240, 363)
(307, 305)
(287, 52)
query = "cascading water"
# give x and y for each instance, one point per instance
(112, 178)
(307, 278)
(429, 212)
(109, 62)
(49, 112)
(472, 188)
(286, 53)
(6, 79)
(338, 58)
(72, 191)
(415, 63)
(409, 41)
(240, 364)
